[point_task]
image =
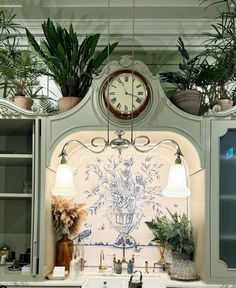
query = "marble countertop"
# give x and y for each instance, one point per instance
(161, 275)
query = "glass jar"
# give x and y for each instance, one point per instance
(118, 267)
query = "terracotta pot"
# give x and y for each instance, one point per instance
(67, 103)
(224, 103)
(64, 251)
(188, 101)
(23, 102)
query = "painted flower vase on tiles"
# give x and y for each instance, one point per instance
(64, 251)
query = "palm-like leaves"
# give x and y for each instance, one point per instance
(221, 49)
(71, 65)
(229, 3)
(7, 26)
(19, 70)
(186, 77)
(224, 36)
(8, 42)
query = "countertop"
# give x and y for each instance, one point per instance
(161, 275)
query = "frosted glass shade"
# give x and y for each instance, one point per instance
(177, 182)
(64, 184)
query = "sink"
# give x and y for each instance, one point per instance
(119, 282)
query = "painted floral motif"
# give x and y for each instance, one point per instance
(123, 192)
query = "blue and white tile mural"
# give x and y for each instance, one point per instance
(121, 193)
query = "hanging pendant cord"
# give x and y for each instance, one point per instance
(108, 70)
(132, 113)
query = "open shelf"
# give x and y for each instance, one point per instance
(228, 237)
(15, 159)
(15, 195)
(228, 197)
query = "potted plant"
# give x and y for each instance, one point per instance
(19, 71)
(218, 79)
(7, 25)
(174, 233)
(72, 66)
(180, 238)
(67, 217)
(187, 97)
(160, 227)
(221, 54)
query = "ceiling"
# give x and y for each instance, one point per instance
(156, 23)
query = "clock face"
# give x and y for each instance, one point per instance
(126, 92)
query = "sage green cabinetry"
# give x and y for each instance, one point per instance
(19, 192)
(222, 201)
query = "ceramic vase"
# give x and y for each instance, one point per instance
(64, 251)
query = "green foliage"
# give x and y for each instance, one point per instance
(19, 71)
(175, 233)
(228, 3)
(50, 106)
(186, 77)
(160, 228)
(221, 52)
(71, 65)
(8, 28)
(180, 238)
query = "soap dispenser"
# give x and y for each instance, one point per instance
(130, 267)
(73, 268)
(104, 284)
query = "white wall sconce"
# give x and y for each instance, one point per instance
(177, 181)
(64, 183)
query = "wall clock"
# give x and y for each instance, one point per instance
(126, 92)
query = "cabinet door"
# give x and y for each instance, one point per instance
(223, 199)
(35, 197)
(19, 174)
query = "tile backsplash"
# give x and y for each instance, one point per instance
(121, 192)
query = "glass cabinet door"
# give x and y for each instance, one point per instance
(222, 199)
(227, 205)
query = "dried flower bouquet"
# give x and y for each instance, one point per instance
(67, 215)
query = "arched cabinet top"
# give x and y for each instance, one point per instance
(91, 114)
(10, 110)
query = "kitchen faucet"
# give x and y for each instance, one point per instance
(101, 266)
(124, 247)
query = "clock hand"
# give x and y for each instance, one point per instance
(127, 93)
(123, 85)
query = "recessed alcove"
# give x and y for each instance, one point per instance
(89, 171)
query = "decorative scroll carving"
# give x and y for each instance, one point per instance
(8, 108)
(218, 112)
(126, 61)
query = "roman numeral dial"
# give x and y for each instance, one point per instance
(126, 92)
